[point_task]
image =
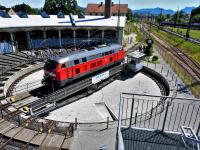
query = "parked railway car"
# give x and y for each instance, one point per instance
(64, 68)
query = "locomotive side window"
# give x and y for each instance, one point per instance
(106, 53)
(76, 62)
(84, 59)
(77, 70)
(99, 63)
(63, 66)
(93, 65)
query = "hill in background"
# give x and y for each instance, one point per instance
(157, 11)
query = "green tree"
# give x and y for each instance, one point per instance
(129, 15)
(2, 7)
(194, 12)
(25, 8)
(65, 6)
(50, 7)
(196, 19)
(168, 16)
(160, 18)
(71, 7)
(178, 17)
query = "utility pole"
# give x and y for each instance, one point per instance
(177, 18)
(118, 23)
(160, 17)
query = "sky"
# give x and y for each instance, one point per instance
(133, 4)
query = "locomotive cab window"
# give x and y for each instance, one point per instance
(63, 66)
(50, 64)
(76, 62)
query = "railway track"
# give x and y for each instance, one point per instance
(182, 58)
(32, 124)
(41, 100)
(48, 102)
(45, 129)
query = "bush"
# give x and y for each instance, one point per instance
(148, 50)
(155, 58)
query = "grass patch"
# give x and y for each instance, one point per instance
(131, 27)
(153, 62)
(193, 33)
(139, 35)
(193, 50)
(185, 76)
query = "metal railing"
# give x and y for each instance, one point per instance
(147, 112)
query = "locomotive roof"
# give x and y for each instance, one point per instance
(77, 55)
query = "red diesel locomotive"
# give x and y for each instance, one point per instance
(64, 68)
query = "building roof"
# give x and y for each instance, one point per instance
(38, 21)
(97, 8)
(135, 54)
(11, 12)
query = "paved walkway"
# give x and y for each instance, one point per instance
(130, 40)
(92, 137)
(175, 82)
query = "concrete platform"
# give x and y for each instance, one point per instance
(53, 141)
(67, 143)
(86, 110)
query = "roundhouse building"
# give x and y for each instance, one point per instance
(26, 32)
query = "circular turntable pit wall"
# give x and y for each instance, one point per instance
(60, 126)
(19, 74)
